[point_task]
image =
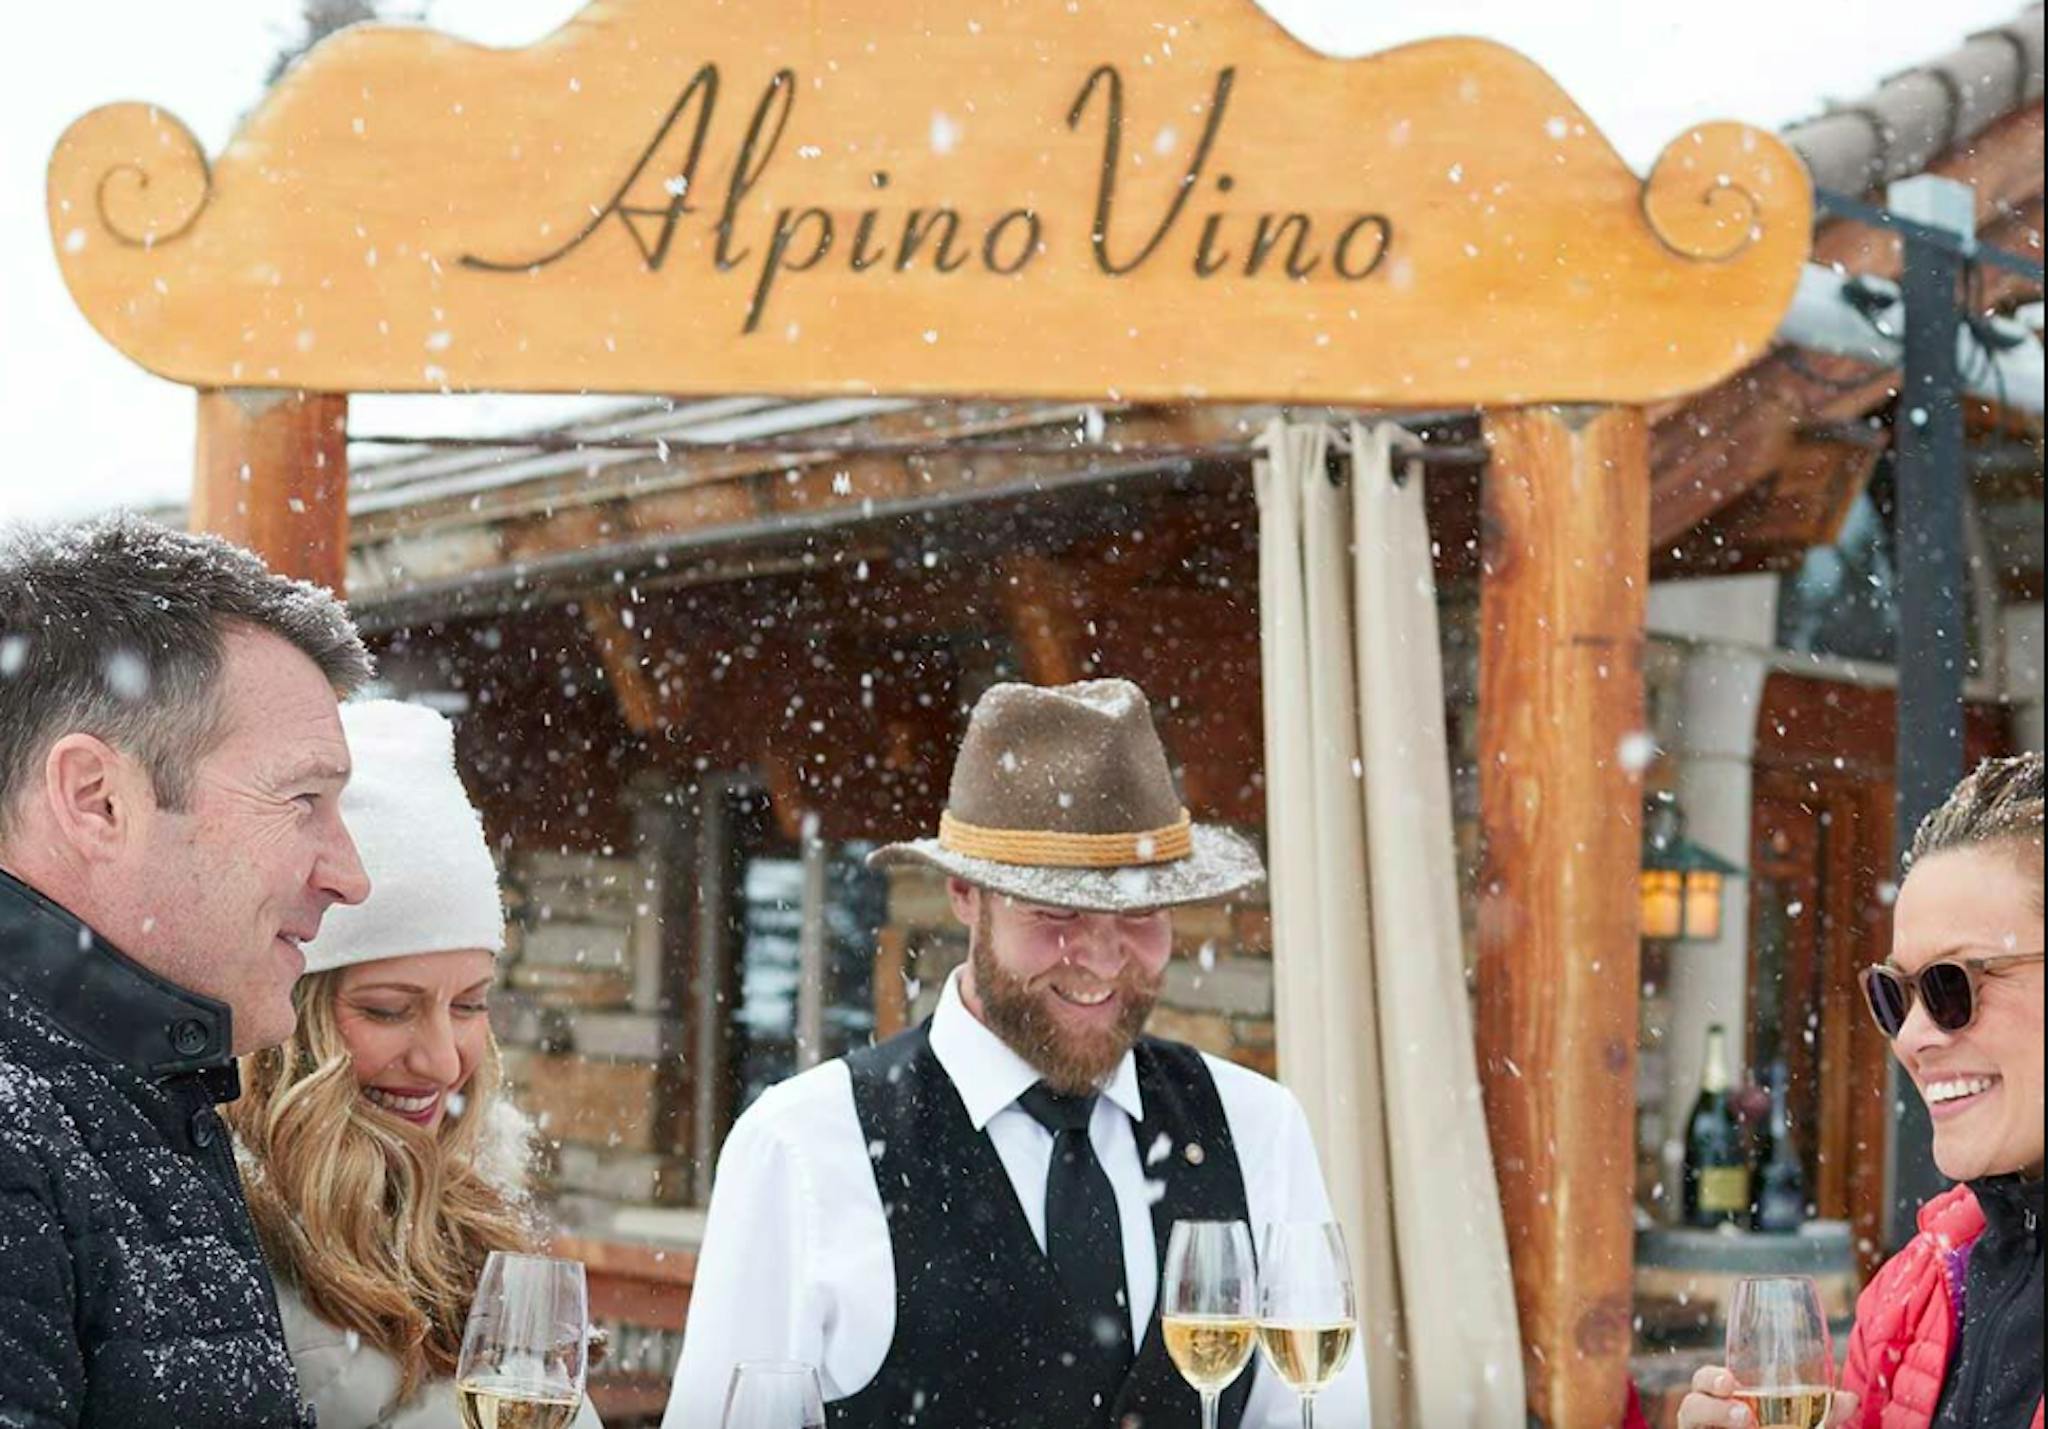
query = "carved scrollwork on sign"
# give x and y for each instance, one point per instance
(1707, 196)
(154, 180)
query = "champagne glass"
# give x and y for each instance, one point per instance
(1308, 1311)
(1779, 1353)
(1208, 1306)
(776, 1395)
(525, 1350)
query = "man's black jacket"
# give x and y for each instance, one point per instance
(132, 1290)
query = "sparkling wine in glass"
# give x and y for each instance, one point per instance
(525, 1349)
(1208, 1306)
(1779, 1353)
(765, 1395)
(1308, 1311)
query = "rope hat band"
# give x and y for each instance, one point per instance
(1043, 848)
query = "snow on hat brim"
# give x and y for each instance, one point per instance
(1221, 864)
(433, 886)
(1062, 795)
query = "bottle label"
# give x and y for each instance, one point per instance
(1724, 1189)
(1781, 1209)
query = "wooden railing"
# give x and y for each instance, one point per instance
(640, 1295)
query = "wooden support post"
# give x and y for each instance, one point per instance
(892, 995)
(1566, 514)
(272, 475)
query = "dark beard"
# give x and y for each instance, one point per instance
(1076, 1064)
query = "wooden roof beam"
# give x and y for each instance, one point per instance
(1038, 602)
(644, 707)
(1711, 450)
(1802, 504)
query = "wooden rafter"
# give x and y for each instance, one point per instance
(1038, 603)
(1801, 504)
(2002, 165)
(641, 705)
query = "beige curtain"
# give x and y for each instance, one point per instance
(1375, 1029)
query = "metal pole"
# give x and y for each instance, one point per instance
(1933, 596)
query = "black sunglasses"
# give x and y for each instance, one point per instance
(1947, 988)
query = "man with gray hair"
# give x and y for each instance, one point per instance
(171, 760)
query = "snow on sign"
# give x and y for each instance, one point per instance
(1151, 199)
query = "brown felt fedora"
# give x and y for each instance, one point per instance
(1062, 796)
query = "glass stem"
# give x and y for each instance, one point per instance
(1208, 1409)
(1308, 1411)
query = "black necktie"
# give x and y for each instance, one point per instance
(1083, 1236)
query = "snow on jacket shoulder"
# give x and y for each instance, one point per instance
(1906, 1332)
(134, 1294)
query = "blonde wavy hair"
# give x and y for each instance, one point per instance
(382, 1226)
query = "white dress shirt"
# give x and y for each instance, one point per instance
(796, 1263)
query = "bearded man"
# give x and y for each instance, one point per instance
(964, 1226)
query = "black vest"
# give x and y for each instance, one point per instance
(985, 1334)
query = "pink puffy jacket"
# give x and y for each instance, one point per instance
(1906, 1326)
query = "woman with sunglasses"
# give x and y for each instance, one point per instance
(1948, 1333)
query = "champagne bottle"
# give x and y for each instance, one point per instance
(1779, 1204)
(1716, 1178)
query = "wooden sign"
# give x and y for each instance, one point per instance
(1139, 199)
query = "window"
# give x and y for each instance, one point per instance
(784, 901)
(788, 924)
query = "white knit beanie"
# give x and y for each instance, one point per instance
(433, 887)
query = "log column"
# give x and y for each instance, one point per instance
(272, 475)
(1566, 521)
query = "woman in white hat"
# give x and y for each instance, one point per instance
(382, 1163)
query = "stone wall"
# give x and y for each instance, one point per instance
(601, 1077)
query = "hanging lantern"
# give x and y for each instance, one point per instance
(1681, 881)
